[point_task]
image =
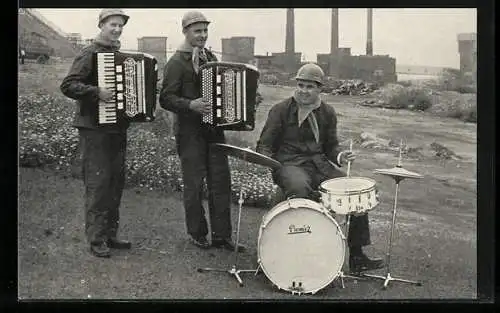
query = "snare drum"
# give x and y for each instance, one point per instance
(301, 248)
(349, 195)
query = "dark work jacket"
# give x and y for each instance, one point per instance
(180, 85)
(81, 84)
(282, 138)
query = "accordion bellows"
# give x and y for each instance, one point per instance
(133, 78)
(232, 90)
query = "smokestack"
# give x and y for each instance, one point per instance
(334, 43)
(369, 32)
(290, 41)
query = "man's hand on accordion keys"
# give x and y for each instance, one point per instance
(200, 106)
(106, 94)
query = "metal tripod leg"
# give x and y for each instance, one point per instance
(388, 276)
(233, 271)
(342, 275)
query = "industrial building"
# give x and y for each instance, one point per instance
(156, 46)
(238, 49)
(467, 48)
(340, 64)
(375, 68)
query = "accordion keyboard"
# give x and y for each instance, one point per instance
(106, 78)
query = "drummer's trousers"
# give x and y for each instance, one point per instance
(103, 170)
(199, 161)
(302, 181)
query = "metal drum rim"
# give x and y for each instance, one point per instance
(322, 189)
(344, 246)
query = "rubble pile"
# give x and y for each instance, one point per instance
(433, 150)
(354, 87)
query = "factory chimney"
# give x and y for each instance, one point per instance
(369, 32)
(290, 42)
(334, 43)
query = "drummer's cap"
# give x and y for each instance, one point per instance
(105, 13)
(311, 72)
(193, 17)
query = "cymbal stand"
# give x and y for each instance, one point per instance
(388, 278)
(234, 268)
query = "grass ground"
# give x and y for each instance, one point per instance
(435, 237)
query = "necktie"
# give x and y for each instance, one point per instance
(198, 53)
(311, 118)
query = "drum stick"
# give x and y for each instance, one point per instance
(400, 151)
(349, 162)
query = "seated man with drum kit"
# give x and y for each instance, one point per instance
(301, 134)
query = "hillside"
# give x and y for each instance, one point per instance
(28, 23)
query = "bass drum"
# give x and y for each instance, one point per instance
(301, 248)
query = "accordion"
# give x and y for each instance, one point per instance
(232, 90)
(133, 78)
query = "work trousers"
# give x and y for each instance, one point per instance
(302, 181)
(103, 171)
(200, 161)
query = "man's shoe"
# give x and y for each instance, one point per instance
(114, 243)
(362, 263)
(200, 242)
(227, 244)
(100, 250)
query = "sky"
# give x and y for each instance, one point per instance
(413, 36)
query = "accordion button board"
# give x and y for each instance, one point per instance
(232, 90)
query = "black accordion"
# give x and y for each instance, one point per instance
(232, 90)
(133, 78)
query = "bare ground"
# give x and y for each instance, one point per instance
(435, 237)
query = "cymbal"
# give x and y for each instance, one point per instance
(397, 172)
(249, 155)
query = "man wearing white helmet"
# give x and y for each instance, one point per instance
(301, 133)
(103, 151)
(181, 94)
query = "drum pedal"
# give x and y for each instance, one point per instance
(342, 276)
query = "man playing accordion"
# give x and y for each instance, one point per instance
(181, 94)
(103, 150)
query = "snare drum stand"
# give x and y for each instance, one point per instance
(342, 275)
(234, 269)
(347, 225)
(388, 276)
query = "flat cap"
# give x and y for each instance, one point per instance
(193, 17)
(105, 13)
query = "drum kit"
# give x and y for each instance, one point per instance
(301, 247)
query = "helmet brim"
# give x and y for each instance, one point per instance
(125, 19)
(297, 78)
(196, 22)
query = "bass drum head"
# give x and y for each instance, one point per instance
(301, 248)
